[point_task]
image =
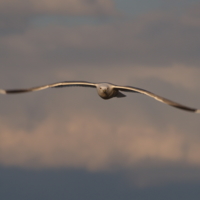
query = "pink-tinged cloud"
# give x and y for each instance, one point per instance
(92, 143)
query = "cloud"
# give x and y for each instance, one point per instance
(154, 39)
(73, 127)
(94, 144)
(69, 7)
(16, 15)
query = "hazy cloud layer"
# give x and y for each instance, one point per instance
(75, 7)
(153, 39)
(95, 144)
(73, 127)
(16, 15)
(91, 142)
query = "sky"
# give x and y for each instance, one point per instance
(68, 143)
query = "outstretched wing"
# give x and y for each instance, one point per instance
(158, 98)
(54, 85)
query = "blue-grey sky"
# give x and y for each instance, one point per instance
(68, 143)
(139, 7)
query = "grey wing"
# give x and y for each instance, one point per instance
(54, 85)
(158, 98)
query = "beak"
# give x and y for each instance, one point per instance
(105, 91)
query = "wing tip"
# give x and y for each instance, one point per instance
(197, 111)
(2, 91)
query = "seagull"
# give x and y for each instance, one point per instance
(105, 91)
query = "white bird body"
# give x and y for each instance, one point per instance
(105, 91)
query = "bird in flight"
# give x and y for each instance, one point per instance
(105, 91)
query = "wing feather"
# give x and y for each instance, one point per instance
(54, 85)
(157, 97)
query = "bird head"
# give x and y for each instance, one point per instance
(103, 90)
